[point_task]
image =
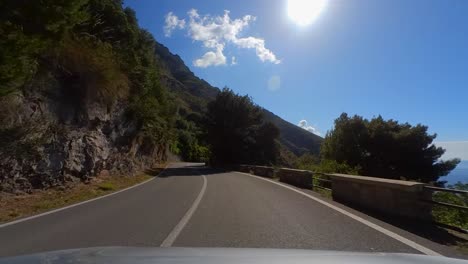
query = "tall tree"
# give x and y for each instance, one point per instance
(237, 132)
(386, 148)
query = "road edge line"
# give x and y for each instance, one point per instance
(368, 223)
(171, 238)
(75, 204)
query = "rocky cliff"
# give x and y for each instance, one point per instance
(46, 140)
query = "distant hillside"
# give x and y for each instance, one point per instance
(194, 93)
(294, 138)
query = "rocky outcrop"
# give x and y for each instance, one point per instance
(46, 141)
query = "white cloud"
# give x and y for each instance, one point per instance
(211, 58)
(172, 22)
(233, 60)
(274, 83)
(454, 149)
(259, 45)
(303, 124)
(215, 32)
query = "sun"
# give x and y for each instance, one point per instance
(304, 12)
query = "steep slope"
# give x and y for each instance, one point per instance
(194, 93)
(294, 138)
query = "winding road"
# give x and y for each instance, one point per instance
(190, 205)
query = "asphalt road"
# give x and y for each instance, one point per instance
(194, 206)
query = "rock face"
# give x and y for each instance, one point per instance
(46, 141)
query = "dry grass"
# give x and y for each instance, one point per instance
(17, 206)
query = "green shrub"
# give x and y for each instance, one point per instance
(332, 166)
(452, 216)
(313, 163)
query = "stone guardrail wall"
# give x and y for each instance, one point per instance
(391, 197)
(264, 171)
(385, 196)
(299, 178)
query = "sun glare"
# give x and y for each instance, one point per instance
(304, 12)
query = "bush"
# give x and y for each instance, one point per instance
(306, 162)
(452, 216)
(313, 163)
(332, 166)
(92, 68)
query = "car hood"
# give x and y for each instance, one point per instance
(134, 255)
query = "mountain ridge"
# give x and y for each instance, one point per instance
(195, 93)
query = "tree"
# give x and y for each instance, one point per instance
(306, 161)
(386, 148)
(237, 133)
(85, 51)
(189, 144)
(266, 149)
(28, 29)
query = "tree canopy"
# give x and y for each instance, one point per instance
(93, 49)
(237, 133)
(386, 148)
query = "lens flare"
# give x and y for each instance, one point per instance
(305, 12)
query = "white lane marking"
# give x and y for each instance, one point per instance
(387, 232)
(170, 239)
(73, 205)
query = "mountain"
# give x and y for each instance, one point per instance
(294, 138)
(174, 74)
(194, 93)
(84, 92)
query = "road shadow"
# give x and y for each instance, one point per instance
(196, 171)
(153, 171)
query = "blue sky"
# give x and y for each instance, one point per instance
(405, 60)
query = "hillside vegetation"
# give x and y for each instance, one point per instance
(380, 148)
(193, 95)
(80, 93)
(84, 89)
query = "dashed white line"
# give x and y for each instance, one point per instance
(387, 232)
(170, 239)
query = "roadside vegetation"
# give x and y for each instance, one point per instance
(237, 132)
(380, 148)
(452, 216)
(91, 52)
(389, 149)
(18, 206)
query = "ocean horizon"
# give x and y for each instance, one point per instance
(459, 174)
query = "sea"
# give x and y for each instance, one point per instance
(459, 174)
